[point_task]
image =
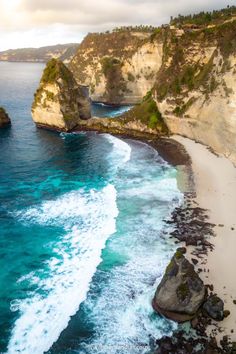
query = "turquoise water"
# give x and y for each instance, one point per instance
(82, 237)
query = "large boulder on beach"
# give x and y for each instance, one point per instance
(181, 291)
(4, 118)
(214, 307)
(59, 103)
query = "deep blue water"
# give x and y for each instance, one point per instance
(82, 237)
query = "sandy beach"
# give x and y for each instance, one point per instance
(215, 185)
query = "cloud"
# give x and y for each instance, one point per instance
(42, 18)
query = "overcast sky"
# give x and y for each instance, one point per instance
(35, 23)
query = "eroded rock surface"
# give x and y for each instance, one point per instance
(59, 103)
(181, 291)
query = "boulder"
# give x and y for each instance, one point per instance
(214, 307)
(4, 118)
(181, 291)
(59, 103)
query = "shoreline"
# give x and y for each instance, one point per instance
(202, 176)
(195, 177)
(215, 186)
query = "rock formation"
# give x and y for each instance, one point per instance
(119, 67)
(59, 103)
(189, 68)
(196, 86)
(181, 292)
(4, 118)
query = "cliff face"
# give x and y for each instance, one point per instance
(59, 103)
(189, 68)
(4, 118)
(119, 67)
(196, 86)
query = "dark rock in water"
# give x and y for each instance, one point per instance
(181, 291)
(4, 118)
(214, 307)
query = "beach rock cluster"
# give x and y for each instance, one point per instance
(214, 307)
(180, 344)
(4, 118)
(192, 227)
(59, 103)
(181, 292)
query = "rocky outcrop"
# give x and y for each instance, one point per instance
(196, 86)
(118, 67)
(59, 103)
(4, 118)
(181, 292)
(189, 68)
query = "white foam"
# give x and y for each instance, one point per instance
(123, 317)
(121, 152)
(89, 222)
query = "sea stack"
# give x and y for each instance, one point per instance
(59, 103)
(181, 292)
(4, 118)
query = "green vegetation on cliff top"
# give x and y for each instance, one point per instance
(56, 70)
(147, 112)
(205, 18)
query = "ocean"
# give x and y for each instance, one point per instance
(83, 241)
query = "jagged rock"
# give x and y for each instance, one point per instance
(181, 291)
(214, 307)
(4, 118)
(59, 103)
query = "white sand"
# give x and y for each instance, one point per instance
(215, 185)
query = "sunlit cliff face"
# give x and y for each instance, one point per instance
(28, 23)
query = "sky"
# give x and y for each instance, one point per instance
(36, 23)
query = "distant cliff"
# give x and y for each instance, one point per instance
(64, 52)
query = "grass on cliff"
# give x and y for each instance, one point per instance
(147, 112)
(55, 70)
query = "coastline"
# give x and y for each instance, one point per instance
(201, 176)
(215, 186)
(209, 186)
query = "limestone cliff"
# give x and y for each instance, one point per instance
(60, 102)
(4, 118)
(119, 67)
(196, 86)
(189, 66)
